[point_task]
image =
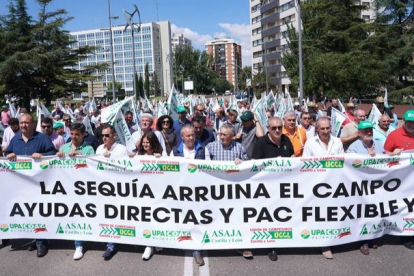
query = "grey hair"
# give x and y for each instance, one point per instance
(186, 126)
(289, 114)
(272, 119)
(228, 126)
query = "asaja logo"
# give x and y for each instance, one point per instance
(167, 235)
(377, 163)
(385, 226)
(322, 164)
(119, 165)
(218, 168)
(74, 229)
(116, 231)
(192, 168)
(357, 163)
(275, 165)
(305, 234)
(333, 233)
(63, 164)
(159, 167)
(222, 236)
(4, 227)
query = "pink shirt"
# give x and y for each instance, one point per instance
(5, 117)
(57, 140)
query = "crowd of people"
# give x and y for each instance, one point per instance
(220, 134)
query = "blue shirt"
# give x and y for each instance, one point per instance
(207, 137)
(38, 143)
(359, 147)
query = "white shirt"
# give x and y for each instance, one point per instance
(7, 136)
(117, 150)
(310, 131)
(315, 147)
(95, 120)
(136, 136)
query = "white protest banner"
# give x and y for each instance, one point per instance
(196, 204)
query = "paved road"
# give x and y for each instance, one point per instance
(389, 259)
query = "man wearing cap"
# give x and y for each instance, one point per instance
(324, 143)
(146, 123)
(402, 138)
(58, 127)
(296, 135)
(47, 128)
(366, 144)
(251, 130)
(182, 120)
(349, 133)
(382, 129)
(349, 113)
(5, 115)
(9, 132)
(383, 109)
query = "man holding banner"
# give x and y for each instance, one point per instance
(323, 144)
(29, 142)
(402, 138)
(349, 132)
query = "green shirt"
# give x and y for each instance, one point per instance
(85, 149)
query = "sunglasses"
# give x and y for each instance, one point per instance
(274, 128)
(46, 127)
(107, 135)
(165, 122)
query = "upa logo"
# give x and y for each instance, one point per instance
(167, 235)
(63, 164)
(329, 233)
(372, 228)
(44, 165)
(222, 236)
(28, 227)
(4, 227)
(357, 163)
(305, 234)
(192, 168)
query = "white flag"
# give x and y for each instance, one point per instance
(173, 102)
(337, 119)
(374, 115)
(386, 98)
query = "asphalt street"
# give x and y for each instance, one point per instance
(391, 258)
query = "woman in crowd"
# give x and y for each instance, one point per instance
(165, 126)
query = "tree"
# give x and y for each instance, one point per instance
(118, 86)
(334, 57)
(146, 81)
(155, 85)
(259, 81)
(140, 87)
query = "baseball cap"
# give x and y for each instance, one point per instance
(247, 116)
(4, 106)
(57, 125)
(409, 116)
(366, 124)
(181, 109)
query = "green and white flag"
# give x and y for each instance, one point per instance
(374, 115)
(260, 111)
(173, 102)
(87, 123)
(337, 119)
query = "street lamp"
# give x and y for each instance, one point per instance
(136, 27)
(112, 50)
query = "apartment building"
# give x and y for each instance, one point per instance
(227, 55)
(152, 46)
(179, 40)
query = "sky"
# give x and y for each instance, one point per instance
(198, 20)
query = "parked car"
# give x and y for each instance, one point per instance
(227, 93)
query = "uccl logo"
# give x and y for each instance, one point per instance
(4, 227)
(192, 168)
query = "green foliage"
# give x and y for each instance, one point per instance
(155, 84)
(118, 86)
(344, 56)
(146, 80)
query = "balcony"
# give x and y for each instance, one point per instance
(271, 44)
(267, 7)
(274, 68)
(274, 55)
(270, 18)
(270, 31)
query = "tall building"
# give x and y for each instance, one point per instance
(227, 56)
(268, 19)
(152, 46)
(178, 40)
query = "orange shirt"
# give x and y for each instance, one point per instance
(298, 139)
